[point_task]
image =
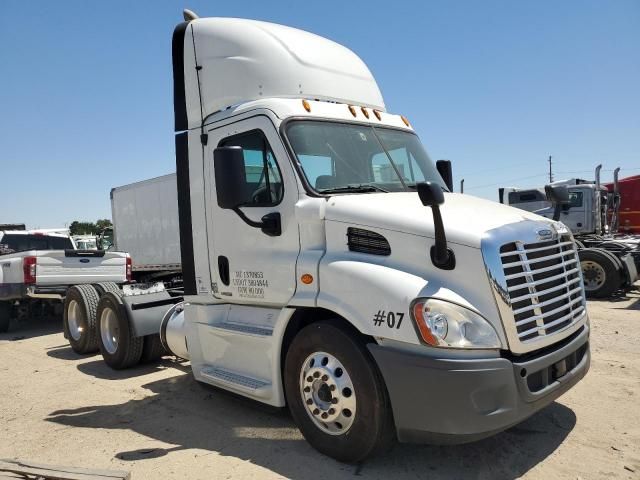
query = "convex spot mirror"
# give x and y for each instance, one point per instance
(430, 194)
(231, 181)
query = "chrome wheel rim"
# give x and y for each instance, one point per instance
(593, 275)
(327, 393)
(75, 322)
(109, 330)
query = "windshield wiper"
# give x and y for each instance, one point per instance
(356, 188)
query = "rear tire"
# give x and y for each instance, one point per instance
(152, 349)
(6, 310)
(79, 319)
(104, 287)
(119, 347)
(336, 395)
(600, 273)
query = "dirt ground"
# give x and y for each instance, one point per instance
(157, 422)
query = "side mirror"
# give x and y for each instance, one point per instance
(446, 172)
(231, 182)
(557, 194)
(559, 198)
(431, 196)
(231, 189)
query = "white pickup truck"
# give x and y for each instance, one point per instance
(36, 269)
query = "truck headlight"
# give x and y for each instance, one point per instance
(445, 324)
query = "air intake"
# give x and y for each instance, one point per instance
(366, 241)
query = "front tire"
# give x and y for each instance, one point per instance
(599, 272)
(336, 394)
(79, 319)
(119, 347)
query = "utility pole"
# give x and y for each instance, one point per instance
(462, 186)
(550, 174)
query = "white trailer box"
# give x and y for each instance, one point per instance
(145, 223)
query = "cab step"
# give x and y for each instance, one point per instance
(220, 376)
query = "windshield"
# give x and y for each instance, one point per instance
(349, 157)
(86, 244)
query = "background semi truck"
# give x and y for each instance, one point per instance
(327, 267)
(610, 259)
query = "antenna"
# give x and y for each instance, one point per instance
(550, 173)
(462, 186)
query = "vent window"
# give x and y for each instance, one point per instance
(366, 241)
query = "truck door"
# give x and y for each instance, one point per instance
(247, 265)
(574, 215)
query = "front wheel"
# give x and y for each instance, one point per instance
(336, 395)
(599, 272)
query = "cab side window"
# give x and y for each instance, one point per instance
(264, 181)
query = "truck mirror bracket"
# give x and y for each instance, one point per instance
(431, 196)
(270, 224)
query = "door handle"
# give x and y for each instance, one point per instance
(223, 269)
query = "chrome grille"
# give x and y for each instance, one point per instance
(543, 286)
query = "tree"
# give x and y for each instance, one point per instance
(103, 223)
(89, 228)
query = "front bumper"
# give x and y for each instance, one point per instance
(447, 401)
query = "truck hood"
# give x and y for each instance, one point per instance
(466, 218)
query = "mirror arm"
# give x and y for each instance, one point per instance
(441, 255)
(271, 223)
(557, 208)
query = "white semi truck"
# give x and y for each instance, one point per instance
(328, 267)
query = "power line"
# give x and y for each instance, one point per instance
(506, 181)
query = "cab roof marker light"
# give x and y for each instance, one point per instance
(377, 114)
(365, 112)
(404, 119)
(306, 105)
(352, 109)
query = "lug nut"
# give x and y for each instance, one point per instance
(334, 400)
(332, 387)
(325, 378)
(309, 379)
(316, 411)
(324, 415)
(307, 389)
(316, 374)
(331, 411)
(309, 401)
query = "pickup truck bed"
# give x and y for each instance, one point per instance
(47, 273)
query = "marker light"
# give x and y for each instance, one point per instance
(352, 109)
(377, 114)
(365, 112)
(307, 279)
(404, 119)
(448, 325)
(306, 105)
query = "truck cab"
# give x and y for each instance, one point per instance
(329, 267)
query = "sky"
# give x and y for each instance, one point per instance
(495, 86)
